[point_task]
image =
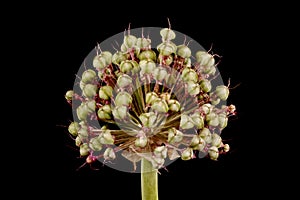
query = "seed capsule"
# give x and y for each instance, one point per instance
(104, 112)
(167, 48)
(174, 135)
(129, 41)
(123, 99)
(88, 76)
(174, 105)
(226, 147)
(82, 112)
(161, 152)
(222, 92)
(186, 122)
(118, 57)
(147, 66)
(99, 62)
(213, 153)
(223, 120)
(84, 149)
(151, 97)
(205, 85)
(105, 92)
(143, 43)
(160, 105)
(187, 154)
(205, 134)
(95, 144)
(167, 34)
(189, 74)
(78, 141)
(159, 74)
(124, 80)
(205, 59)
(147, 119)
(69, 95)
(120, 112)
(193, 88)
(74, 128)
(141, 142)
(184, 51)
(198, 120)
(106, 138)
(109, 154)
(147, 54)
(90, 90)
(216, 140)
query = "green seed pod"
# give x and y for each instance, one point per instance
(123, 99)
(120, 112)
(159, 74)
(95, 144)
(90, 90)
(167, 59)
(205, 85)
(223, 120)
(167, 34)
(126, 66)
(195, 141)
(174, 135)
(222, 92)
(84, 149)
(174, 105)
(201, 145)
(99, 62)
(88, 76)
(189, 74)
(212, 119)
(187, 154)
(147, 54)
(129, 41)
(118, 57)
(83, 133)
(205, 134)
(226, 147)
(104, 112)
(157, 162)
(215, 101)
(198, 120)
(74, 128)
(186, 122)
(206, 108)
(109, 154)
(160, 152)
(165, 96)
(143, 43)
(210, 70)
(124, 48)
(141, 142)
(193, 88)
(205, 59)
(106, 138)
(160, 105)
(148, 119)
(147, 66)
(167, 48)
(107, 57)
(170, 80)
(184, 51)
(213, 153)
(82, 112)
(69, 95)
(78, 141)
(105, 92)
(91, 106)
(81, 85)
(216, 140)
(151, 97)
(124, 80)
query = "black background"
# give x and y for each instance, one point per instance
(61, 37)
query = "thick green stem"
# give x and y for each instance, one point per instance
(149, 181)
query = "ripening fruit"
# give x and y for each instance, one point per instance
(187, 154)
(104, 112)
(69, 95)
(216, 140)
(88, 76)
(84, 149)
(213, 153)
(141, 142)
(147, 66)
(147, 119)
(186, 122)
(167, 34)
(205, 59)
(95, 144)
(174, 135)
(109, 154)
(222, 92)
(184, 51)
(89, 90)
(189, 74)
(123, 99)
(105, 92)
(124, 80)
(160, 152)
(205, 85)
(159, 73)
(120, 112)
(174, 105)
(151, 97)
(147, 54)
(160, 105)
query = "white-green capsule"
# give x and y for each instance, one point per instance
(201, 145)
(213, 153)
(184, 51)
(147, 54)
(206, 108)
(159, 74)
(205, 134)
(215, 101)
(106, 138)
(90, 90)
(157, 162)
(212, 119)
(99, 62)
(147, 66)
(205, 59)
(195, 141)
(78, 141)
(160, 105)
(83, 133)
(216, 140)
(143, 43)
(174, 135)
(187, 154)
(167, 48)
(107, 57)
(109, 154)
(141, 142)
(186, 122)
(148, 119)
(81, 85)
(84, 149)
(123, 99)
(124, 80)
(95, 144)
(198, 120)
(104, 112)
(126, 66)
(167, 34)
(226, 147)
(205, 85)
(174, 105)
(120, 112)
(223, 120)
(151, 97)
(69, 95)
(105, 92)
(193, 88)
(166, 60)
(129, 41)
(187, 62)
(222, 92)
(118, 57)
(74, 128)
(91, 106)
(160, 152)
(189, 74)
(88, 76)
(82, 112)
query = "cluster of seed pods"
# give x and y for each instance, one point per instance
(152, 103)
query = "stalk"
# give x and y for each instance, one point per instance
(148, 181)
